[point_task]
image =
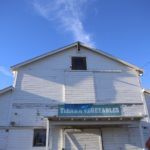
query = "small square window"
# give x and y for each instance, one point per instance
(39, 138)
(79, 63)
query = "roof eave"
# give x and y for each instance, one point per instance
(7, 89)
(146, 91)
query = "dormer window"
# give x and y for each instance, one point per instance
(79, 63)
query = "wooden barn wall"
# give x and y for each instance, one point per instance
(121, 139)
(5, 108)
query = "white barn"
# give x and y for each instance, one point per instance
(74, 98)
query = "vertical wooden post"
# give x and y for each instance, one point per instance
(47, 135)
(142, 137)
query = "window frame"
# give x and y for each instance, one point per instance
(84, 59)
(34, 132)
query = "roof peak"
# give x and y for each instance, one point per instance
(78, 44)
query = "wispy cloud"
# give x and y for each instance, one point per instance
(68, 14)
(5, 71)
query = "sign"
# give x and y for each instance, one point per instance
(68, 110)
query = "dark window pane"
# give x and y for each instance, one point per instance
(79, 63)
(39, 137)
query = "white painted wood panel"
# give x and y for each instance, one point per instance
(146, 124)
(41, 86)
(118, 88)
(121, 139)
(21, 139)
(146, 133)
(3, 139)
(147, 99)
(5, 106)
(79, 87)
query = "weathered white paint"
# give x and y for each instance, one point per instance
(21, 139)
(80, 87)
(41, 80)
(3, 139)
(5, 108)
(146, 133)
(47, 134)
(121, 139)
(83, 139)
(146, 124)
(56, 138)
(117, 87)
(147, 99)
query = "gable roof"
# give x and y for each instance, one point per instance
(77, 44)
(5, 90)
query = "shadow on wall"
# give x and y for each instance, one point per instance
(78, 86)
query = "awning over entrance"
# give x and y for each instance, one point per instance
(130, 118)
(93, 120)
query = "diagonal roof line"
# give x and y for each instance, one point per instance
(7, 89)
(146, 91)
(17, 66)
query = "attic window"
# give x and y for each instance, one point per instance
(79, 63)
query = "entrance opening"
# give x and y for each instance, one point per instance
(82, 139)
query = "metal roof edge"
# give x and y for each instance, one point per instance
(7, 89)
(146, 91)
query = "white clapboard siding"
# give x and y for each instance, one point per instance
(133, 110)
(3, 139)
(147, 99)
(46, 87)
(5, 105)
(117, 87)
(26, 117)
(83, 140)
(121, 139)
(31, 116)
(79, 87)
(146, 125)
(146, 133)
(21, 139)
(44, 80)
(99, 62)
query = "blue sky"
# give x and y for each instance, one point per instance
(29, 28)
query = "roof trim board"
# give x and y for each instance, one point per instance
(147, 91)
(17, 66)
(7, 89)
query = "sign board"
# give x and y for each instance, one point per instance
(68, 110)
